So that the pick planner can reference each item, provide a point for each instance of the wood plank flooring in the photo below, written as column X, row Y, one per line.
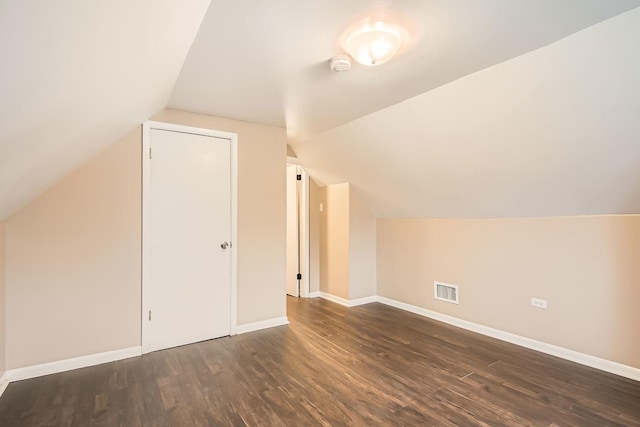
column 371, row 365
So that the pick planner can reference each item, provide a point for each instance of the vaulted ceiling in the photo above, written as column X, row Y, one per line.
column 495, row 108
column 550, row 133
column 78, row 75
column 268, row 63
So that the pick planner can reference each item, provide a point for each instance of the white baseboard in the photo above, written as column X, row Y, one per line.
column 263, row 324
column 111, row 356
column 553, row 350
column 314, row 294
column 4, row 382
column 333, row 298
column 348, row 302
column 362, row 301
column 69, row 364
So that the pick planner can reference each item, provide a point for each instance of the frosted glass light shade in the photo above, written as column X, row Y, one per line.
column 373, row 43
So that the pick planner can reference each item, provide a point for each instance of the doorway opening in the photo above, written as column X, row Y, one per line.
column 297, row 231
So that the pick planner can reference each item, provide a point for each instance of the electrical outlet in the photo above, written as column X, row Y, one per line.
column 539, row 303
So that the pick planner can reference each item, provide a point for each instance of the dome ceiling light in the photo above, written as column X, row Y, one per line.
column 374, row 42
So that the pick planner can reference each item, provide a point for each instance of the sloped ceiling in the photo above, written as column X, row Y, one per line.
column 267, row 62
column 77, row 75
column 552, row 132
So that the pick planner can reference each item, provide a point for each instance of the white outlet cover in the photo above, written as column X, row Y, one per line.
column 539, row 303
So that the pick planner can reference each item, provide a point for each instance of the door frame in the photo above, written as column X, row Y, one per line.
column 146, row 230
column 305, row 283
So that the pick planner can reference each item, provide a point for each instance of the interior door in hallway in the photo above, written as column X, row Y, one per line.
column 293, row 231
column 190, row 237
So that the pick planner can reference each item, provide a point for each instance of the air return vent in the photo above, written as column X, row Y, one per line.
column 445, row 292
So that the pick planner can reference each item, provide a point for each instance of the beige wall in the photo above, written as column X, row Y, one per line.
column 587, row 268
column 261, row 242
column 73, row 263
column 3, row 329
column 73, row 254
column 334, row 278
column 315, row 198
column 362, row 247
column 347, row 242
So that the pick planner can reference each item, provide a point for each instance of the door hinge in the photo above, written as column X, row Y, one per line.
column 149, row 315
column 298, row 177
column 149, row 152
column 299, row 276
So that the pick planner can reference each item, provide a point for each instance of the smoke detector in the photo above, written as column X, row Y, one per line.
column 340, row 63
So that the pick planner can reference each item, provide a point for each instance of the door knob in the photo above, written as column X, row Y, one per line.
column 224, row 245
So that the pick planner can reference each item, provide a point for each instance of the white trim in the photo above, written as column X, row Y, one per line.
column 69, row 364
column 305, row 244
column 304, row 238
column 362, row 301
column 333, row 298
column 146, row 255
column 234, row 233
column 293, row 160
column 315, row 294
column 146, row 181
column 112, row 356
column 4, row 382
column 263, row 324
column 347, row 302
column 553, row 350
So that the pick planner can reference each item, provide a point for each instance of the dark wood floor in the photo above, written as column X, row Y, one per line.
column 367, row 366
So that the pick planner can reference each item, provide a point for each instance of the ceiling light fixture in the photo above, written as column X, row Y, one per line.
column 374, row 42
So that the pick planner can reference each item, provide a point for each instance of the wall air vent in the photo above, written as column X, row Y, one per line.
column 445, row 292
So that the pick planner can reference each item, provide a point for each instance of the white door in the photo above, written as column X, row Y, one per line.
column 293, row 231
column 189, row 273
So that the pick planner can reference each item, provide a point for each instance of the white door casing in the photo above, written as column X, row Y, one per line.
column 304, row 232
column 293, row 232
column 297, row 231
column 189, row 287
